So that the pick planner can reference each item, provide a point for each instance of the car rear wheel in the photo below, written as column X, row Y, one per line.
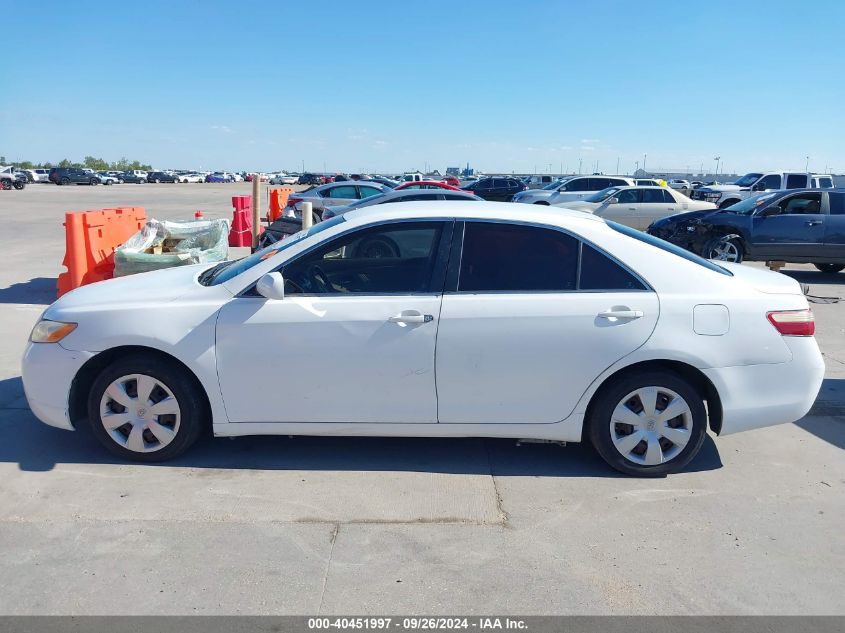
column 64, row 181
column 144, row 409
column 649, row 424
column 830, row 268
column 6, row 185
column 93, row 182
column 724, row 249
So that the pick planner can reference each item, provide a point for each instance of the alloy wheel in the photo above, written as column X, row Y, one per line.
column 725, row 251
column 651, row 426
column 140, row 413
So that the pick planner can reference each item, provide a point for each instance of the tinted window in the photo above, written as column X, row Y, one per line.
column 597, row 184
column 630, row 196
column 499, row 183
column 394, row 258
column 796, row 181
column 599, row 272
column 508, row 257
column 826, row 183
column 618, row 182
column 772, row 181
column 837, row 203
column 455, row 196
column 344, row 191
column 415, row 198
column 667, row 197
column 514, row 183
column 653, row 196
column 366, row 192
column 579, row 184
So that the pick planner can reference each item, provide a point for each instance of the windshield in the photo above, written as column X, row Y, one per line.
column 749, row 205
column 229, row 270
column 598, row 196
column 747, row 180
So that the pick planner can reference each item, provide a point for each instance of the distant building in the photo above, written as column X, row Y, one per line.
column 453, row 171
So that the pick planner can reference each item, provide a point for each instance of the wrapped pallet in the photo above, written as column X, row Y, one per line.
column 164, row 244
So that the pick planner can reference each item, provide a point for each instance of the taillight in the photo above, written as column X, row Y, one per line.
column 793, row 322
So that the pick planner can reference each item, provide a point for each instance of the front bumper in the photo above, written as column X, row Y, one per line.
column 48, row 370
column 755, row 396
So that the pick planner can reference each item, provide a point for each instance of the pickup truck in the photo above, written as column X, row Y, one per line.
column 757, row 182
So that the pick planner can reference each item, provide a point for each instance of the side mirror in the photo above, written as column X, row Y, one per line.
column 613, row 201
column 760, row 186
column 271, row 286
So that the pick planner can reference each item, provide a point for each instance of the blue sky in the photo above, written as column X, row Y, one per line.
column 385, row 87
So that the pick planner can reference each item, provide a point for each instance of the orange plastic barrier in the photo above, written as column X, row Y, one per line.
column 278, row 201
column 91, row 238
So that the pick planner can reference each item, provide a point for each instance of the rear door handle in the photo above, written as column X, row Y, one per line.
column 411, row 316
column 627, row 315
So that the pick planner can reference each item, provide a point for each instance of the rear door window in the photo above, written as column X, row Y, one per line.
column 796, row 181
column 599, row 272
column 344, row 191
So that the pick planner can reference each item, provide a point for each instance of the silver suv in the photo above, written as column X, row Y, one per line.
column 572, row 188
column 757, row 182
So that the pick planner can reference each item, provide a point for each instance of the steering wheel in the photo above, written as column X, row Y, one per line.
column 318, row 276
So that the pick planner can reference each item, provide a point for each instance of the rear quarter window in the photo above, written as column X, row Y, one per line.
column 669, row 248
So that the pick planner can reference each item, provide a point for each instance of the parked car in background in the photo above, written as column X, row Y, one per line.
column 452, row 180
column 284, row 179
column 501, row 189
column 310, row 179
column 571, row 188
column 583, row 330
column 757, row 182
column 107, row 179
column 801, row 225
column 73, row 176
column 333, row 193
column 219, row 176
column 404, row 195
column 677, row 183
column 161, row 176
column 191, row 177
column 412, row 177
column 539, row 181
column 10, row 179
column 649, row 182
column 637, row 207
column 135, row 176
column 387, row 182
column 425, row 184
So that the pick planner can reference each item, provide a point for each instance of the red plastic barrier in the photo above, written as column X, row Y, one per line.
column 91, row 238
column 241, row 232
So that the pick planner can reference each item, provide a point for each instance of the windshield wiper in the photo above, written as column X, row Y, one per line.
column 208, row 276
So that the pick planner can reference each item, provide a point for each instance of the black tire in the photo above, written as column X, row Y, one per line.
column 598, row 428
column 712, row 249
column 19, row 184
column 64, row 181
column 830, row 268
column 93, row 182
column 185, row 390
column 6, row 185
column 120, row 181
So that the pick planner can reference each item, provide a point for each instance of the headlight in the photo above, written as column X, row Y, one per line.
column 50, row 331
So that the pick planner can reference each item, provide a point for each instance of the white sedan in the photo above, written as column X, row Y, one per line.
column 191, row 178
column 637, row 207
column 448, row 319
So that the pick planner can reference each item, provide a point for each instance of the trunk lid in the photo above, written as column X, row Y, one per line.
column 763, row 280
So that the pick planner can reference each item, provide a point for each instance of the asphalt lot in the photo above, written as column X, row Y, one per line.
column 335, row 525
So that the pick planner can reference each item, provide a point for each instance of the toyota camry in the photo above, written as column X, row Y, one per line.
column 448, row 319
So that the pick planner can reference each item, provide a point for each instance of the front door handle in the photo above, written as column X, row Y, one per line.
column 411, row 316
column 812, row 222
column 627, row 315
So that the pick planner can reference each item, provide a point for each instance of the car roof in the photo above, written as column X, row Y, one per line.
column 470, row 210
column 403, row 193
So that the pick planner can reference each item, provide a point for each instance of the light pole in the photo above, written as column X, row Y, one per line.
column 579, row 166
column 636, row 167
column 617, row 165
column 644, row 157
column 717, row 159
column 807, row 165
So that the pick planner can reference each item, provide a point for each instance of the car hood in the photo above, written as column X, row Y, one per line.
column 686, row 216
column 721, row 188
column 534, row 193
column 763, row 280
column 147, row 290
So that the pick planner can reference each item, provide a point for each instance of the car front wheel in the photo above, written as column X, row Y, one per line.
column 144, row 409
column 724, row 249
column 830, row 268
column 649, row 424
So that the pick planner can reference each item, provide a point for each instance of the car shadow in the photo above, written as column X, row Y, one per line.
column 815, row 277
column 36, row 447
column 38, row 291
column 826, row 420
